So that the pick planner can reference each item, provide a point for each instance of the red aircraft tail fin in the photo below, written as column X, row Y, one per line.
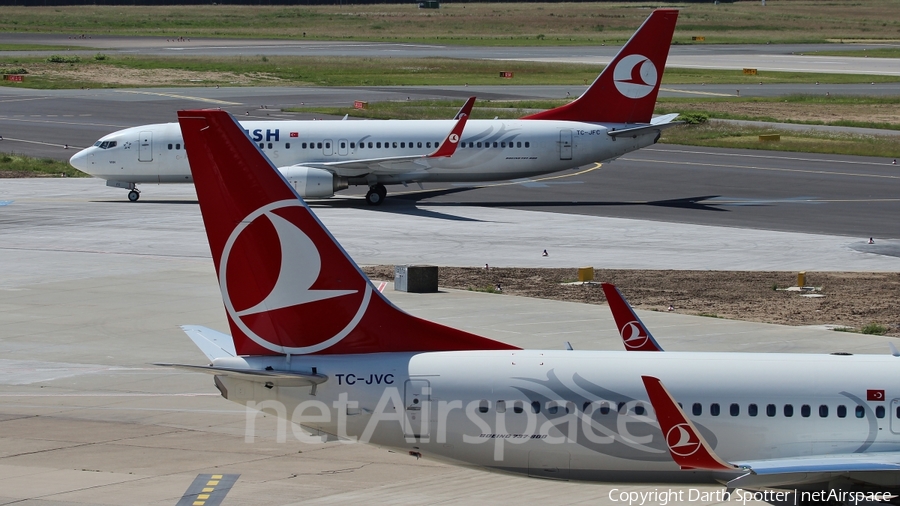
column 625, row 92
column 287, row 285
column 635, row 335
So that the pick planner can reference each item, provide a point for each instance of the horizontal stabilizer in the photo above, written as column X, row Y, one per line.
column 277, row 378
column 212, row 343
column 642, row 129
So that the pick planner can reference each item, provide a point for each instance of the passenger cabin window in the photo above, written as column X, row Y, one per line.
column 697, row 409
column 788, row 410
column 861, row 411
column 484, row 406
column 770, row 410
column 535, row 407
column 518, row 407
column 501, row 406
column 303, row 146
column 734, row 409
column 752, row 410
column 823, row 411
column 287, row 145
column 527, row 144
column 842, row 411
column 714, row 409
column 879, row 412
column 805, row 411
column 604, row 408
column 639, row 409
column 170, row 145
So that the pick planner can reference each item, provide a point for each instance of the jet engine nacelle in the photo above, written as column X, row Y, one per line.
column 311, row 182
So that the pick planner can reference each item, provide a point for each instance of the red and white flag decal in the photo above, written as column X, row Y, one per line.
column 874, row 395
column 295, row 134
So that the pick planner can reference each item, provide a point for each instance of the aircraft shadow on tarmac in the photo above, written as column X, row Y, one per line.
column 690, row 203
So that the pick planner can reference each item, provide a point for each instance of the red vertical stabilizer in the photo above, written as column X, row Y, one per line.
column 625, row 92
column 287, row 285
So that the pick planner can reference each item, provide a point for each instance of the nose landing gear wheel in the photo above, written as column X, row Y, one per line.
column 376, row 195
column 134, row 195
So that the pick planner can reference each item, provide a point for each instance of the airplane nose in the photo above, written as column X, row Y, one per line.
column 80, row 160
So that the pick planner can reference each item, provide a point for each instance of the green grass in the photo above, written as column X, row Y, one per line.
column 472, row 23
column 39, row 47
column 875, row 329
column 872, row 328
column 485, row 289
column 23, row 166
column 354, row 71
column 727, row 136
column 790, row 107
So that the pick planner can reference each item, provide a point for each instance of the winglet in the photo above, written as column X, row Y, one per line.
column 688, row 448
column 448, row 147
column 635, row 335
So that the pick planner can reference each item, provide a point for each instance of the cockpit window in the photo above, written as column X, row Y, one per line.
column 105, row 144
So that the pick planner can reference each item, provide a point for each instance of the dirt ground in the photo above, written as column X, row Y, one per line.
column 849, row 299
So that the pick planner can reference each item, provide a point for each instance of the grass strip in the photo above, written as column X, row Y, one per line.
column 14, row 165
column 101, row 70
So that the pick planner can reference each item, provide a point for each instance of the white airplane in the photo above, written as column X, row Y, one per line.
column 613, row 117
column 314, row 341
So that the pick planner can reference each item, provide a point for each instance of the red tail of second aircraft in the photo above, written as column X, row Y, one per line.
column 626, row 90
column 287, row 285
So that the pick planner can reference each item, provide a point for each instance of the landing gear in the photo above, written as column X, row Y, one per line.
column 376, row 194
column 134, row 195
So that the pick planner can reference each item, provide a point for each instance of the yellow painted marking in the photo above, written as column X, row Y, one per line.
column 705, row 93
column 183, row 97
column 212, row 483
column 208, row 489
column 199, row 503
column 216, row 477
column 203, row 496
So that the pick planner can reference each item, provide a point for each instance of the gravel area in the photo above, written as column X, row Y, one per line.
column 844, row 299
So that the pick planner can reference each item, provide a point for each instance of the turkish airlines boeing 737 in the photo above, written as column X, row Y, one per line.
column 611, row 118
column 314, row 341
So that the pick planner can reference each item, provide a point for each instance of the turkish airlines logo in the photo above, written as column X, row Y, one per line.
column 453, row 138
column 633, row 335
column 635, row 76
column 269, row 275
column 681, row 440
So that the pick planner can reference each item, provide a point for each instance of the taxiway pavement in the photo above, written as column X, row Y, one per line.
column 92, row 291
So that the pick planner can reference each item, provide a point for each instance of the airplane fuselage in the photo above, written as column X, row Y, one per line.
column 489, row 150
column 584, row 415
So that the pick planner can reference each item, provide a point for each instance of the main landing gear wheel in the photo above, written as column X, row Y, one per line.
column 134, row 195
column 376, row 195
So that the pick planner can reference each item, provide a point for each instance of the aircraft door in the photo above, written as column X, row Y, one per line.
column 895, row 416
column 565, row 144
column 342, row 147
column 145, row 152
column 417, row 405
column 327, row 148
